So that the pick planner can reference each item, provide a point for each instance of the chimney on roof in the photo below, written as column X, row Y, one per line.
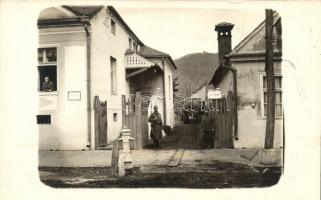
column 224, row 39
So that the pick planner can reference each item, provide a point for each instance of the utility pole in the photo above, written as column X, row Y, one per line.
column 269, row 69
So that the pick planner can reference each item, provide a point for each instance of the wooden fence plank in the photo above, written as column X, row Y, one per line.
column 219, row 130
column 224, row 129
column 227, row 127
column 139, row 132
column 231, row 130
column 216, row 142
column 144, row 130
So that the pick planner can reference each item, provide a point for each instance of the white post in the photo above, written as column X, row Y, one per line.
column 125, row 160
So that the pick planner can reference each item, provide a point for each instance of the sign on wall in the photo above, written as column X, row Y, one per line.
column 74, row 95
column 214, row 94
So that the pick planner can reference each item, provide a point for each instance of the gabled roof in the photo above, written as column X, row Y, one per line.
column 80, row 11
column 259, row 34
column 219, row 74
column 252, row 44
column 200, row 87
column 51, row 13
column 120, row 19
column 149, row 52
column 89, row 12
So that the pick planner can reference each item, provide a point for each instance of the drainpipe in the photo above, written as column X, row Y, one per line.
column 164, row 94
column 235, row 101
column 86, row 24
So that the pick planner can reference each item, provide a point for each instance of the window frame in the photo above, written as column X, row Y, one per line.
column 130, row 43
column 113, row 27
column 113, row 75
column 135, row 46
column 44, row 122
column 169, row 87
column 48, row 64
column 262, row 91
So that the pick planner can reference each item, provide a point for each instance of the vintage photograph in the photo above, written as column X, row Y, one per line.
column 159, row 97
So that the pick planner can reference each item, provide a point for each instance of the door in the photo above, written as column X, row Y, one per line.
column 100, row 108
column 222, row 116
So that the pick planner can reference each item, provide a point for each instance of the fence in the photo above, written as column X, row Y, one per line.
column 135, row 117
column 221, row 113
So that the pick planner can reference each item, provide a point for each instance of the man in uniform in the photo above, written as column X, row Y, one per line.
column 156, row 125
column 207, row 131
column 48, row 85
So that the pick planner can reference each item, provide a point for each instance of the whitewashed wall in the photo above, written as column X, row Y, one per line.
column 105, row 44
column 251, row 125
column 168, row 72
column 170, row 119
column 68, row 128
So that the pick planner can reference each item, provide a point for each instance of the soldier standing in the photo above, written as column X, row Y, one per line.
column 207, row 131
column 156, row 124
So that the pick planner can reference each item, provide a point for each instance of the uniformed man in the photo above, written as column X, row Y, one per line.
column 48, row 85
column 207, row 131
column 156, row 125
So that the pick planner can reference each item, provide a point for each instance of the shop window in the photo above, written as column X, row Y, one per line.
column 47, row 69
column 43, row 119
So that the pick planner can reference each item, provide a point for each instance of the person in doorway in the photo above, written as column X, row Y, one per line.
column 47, row 85
column 207, row 131
column 156, row 125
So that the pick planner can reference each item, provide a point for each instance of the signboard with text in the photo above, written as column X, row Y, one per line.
column 214, row 94
column 74, row 95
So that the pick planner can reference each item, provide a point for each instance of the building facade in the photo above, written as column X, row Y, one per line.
column 89, row 52
column 242, row 72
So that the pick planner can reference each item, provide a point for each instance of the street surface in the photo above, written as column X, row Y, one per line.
column 179, row 164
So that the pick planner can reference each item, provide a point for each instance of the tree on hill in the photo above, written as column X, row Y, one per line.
column 175, row 86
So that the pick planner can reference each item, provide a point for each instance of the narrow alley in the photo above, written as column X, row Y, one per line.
column 184, row 136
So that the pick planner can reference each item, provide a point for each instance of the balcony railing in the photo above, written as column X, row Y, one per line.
column 134, row 60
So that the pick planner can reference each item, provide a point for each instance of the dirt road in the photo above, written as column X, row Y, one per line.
column 215, row 175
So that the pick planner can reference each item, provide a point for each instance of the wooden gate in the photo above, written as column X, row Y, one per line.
column 100, row 108
column 221, row 114
column 136, row 119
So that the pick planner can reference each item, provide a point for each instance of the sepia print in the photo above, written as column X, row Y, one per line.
column 116, row 112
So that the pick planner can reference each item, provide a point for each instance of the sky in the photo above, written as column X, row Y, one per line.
column 181, row 31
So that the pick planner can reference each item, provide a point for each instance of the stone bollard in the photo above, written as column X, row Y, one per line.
column 125, row 160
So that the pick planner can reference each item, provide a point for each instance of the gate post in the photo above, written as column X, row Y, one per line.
column 123, row 111
column 138, row 116
column 125, row 159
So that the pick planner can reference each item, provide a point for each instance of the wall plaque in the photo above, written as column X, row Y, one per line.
column 74, row 95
